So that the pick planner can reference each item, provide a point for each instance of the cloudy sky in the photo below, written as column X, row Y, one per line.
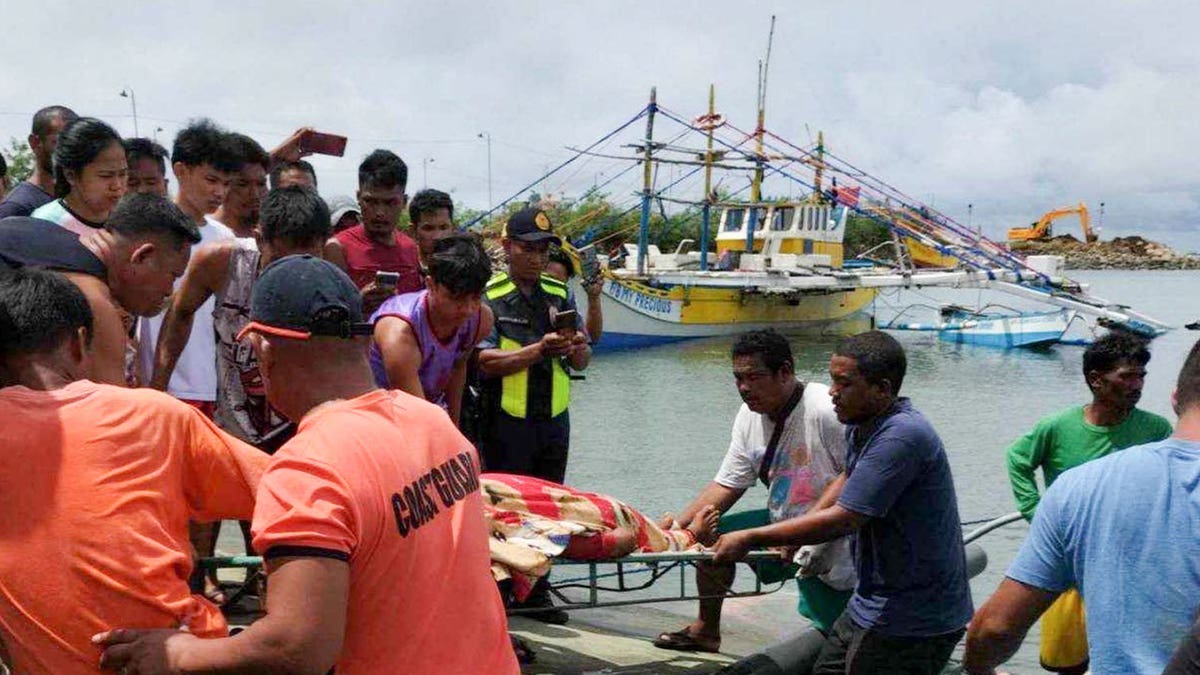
column 1014, row 107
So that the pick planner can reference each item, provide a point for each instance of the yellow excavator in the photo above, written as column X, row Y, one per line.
column 1040, row 231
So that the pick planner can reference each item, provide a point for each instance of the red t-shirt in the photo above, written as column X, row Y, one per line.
column 386, row 482
column 365, row 257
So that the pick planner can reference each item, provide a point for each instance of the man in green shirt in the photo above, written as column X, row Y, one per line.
column 1114, row 367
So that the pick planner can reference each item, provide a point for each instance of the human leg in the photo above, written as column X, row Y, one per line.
column 851, row 649
column 712, row 582
column 510, row 445
column 553, row 442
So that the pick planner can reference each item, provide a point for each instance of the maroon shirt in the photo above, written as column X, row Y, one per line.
column 365, row 257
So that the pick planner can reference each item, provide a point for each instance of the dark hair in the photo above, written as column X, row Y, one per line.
column 770, row 347
column 38, row 311
column 141, row 215
column 144, row 148
column 299, row 165
column 247, row 150
column 878, row 357
column 3, row 167
column 296, row 214
column 203, row 142
column 1187, row 387
column 383, row 169
column 79, row 144
column 43, row 120
column 1112, row 349
column 460, row 263
column 429, row 201
column 559, row 255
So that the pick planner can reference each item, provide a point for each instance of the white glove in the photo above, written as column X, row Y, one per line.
column 814, row 560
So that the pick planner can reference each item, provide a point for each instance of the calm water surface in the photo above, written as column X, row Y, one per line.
column 651, row 426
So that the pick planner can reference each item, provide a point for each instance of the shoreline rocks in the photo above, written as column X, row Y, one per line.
column 1122, row 253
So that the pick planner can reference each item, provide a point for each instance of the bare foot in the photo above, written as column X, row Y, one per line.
column 704, row 525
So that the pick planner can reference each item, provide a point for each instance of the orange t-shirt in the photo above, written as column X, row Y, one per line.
column 386, row 482
column 97, row 484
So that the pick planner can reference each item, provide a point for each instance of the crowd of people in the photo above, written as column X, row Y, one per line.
column 245, row 350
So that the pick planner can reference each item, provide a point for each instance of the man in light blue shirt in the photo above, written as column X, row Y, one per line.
column 1124, row 529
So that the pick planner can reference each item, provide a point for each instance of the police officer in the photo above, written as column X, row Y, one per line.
column 524, row 361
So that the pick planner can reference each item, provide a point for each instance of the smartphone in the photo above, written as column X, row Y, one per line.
column 589, row 264
column 565, row 320
column 322, row 144
column 387, row 279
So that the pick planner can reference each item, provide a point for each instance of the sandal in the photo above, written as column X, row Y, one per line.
column 684, row 641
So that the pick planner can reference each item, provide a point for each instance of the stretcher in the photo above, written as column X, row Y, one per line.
column 602, row 581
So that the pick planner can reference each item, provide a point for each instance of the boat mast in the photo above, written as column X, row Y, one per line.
column 644, row 228
column 763, row 68
column 756, row 181
column 706, row 211
column 819, row 169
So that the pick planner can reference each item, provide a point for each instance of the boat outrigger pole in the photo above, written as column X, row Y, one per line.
column 647, row 187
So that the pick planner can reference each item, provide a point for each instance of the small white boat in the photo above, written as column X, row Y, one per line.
column 996, row 329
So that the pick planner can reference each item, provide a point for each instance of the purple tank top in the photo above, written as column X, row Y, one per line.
column 437, row 357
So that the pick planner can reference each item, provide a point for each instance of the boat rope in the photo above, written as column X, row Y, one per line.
column 642, row 113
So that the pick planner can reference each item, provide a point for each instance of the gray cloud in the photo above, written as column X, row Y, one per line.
column 1013, row 107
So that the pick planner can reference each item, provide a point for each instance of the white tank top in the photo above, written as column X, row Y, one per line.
column 195, row 375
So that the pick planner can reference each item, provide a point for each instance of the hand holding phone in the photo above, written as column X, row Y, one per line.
column 564, row 321
column 316, row 142
column 387, row 280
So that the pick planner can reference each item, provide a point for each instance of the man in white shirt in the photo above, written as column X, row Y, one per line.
column 787, row 436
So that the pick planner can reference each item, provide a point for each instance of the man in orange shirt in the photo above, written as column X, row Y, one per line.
column 98, row 485
column 370, row 518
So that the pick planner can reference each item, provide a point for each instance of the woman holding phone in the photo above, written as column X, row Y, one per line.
column 89, row 176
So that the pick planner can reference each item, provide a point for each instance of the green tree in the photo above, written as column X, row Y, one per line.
column 20, row 160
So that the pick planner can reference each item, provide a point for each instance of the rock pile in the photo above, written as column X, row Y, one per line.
column 1122, row 253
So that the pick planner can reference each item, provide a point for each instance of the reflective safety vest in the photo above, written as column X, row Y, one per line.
column 543, row 390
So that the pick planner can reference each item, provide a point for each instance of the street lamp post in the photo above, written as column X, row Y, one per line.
column 488, row 137
column 425, row 170
column 127, row 92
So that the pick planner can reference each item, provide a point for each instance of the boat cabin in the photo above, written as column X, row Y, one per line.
column 799, row 228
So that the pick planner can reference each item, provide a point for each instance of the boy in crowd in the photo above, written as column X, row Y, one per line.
column 147, row 167
column 431, row 217
column 204, row 163
column 376, row 245
column 423, row 339
column 240, row 210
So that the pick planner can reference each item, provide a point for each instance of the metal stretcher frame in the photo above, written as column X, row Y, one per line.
column 657, row 565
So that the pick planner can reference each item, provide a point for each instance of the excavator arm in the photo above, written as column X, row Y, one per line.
column 1041, row 229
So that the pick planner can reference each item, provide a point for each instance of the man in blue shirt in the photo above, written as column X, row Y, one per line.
column 1123, row 529
column 897, row 497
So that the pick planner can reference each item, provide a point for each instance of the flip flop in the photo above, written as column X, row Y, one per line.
column 684, row 641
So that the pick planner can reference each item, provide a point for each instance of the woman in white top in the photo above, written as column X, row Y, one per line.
column 89, row 176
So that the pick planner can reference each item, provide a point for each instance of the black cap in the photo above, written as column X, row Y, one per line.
column 301, row 296
column 530, row 225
